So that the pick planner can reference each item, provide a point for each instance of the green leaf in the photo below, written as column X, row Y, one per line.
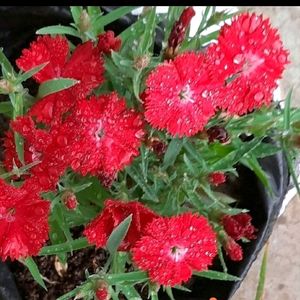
column 182, row 288
column 252, row 163
column 6, row 109
column 287, row 111
column 113, row 16
column 33, row 268
column 169, row 292
column 55, row 85
column 215, row 275
column 113, row 279
column 233, row 157
column 130, row 292
column 262, row 275
column 118, row 235
column 291, row 166
column 76, row 13
column 147, row 38
column 137, row 176
column 6, row 63
column 172, row 152
column 59, row 29
column 65, row 247
column 57, row 236
column 30, row 73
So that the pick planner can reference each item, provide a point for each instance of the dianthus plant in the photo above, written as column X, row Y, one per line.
column 131, row 139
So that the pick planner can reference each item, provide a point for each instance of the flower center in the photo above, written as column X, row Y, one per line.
column 99, row 133
column 249, row 62
column 178, row 253
column 186, row 94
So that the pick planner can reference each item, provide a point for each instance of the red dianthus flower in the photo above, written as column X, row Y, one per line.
column 23, row 222
column 85, row 65
column 178, row 95
column 249, row 57
column 114, row 212
column 102, row 136
column 172, row 248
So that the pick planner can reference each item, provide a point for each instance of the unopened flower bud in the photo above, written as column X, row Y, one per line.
column 84, row 23
column 233, row 249
column 69, row 199
column 157, row 146
column 141, row 62
column 178, row 32
column 102, row 291
column 217, row 133
column 217, row 178
column 6, row 87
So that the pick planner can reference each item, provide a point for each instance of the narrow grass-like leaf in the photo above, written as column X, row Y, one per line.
column 33, row 269
column 215, row 275
column 291, row 167
column 30, row 73
column 55, row 85
column 59, row 29
column 170, row 293
column 172, row 152
column 130, row 292
column 6, row 63
column 262, row 275
column 132, row 276
column 76, row 13
column 287, row 111
column 118, row 235
column 252, row 163
column 65, row 247
column 113, row 16
column 138, row 177
column 148, row 35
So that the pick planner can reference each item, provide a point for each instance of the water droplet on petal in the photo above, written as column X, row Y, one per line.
column 258, row 96
column 238, row 59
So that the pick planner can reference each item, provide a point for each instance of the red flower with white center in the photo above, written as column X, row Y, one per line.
column 172, row 248
column 107, row 42
column 178, row 95
column 239, row 226
column 23, row 222
column 85, row 65
column 217, row 178
column 114, row 212
column 249, row 58
column 102, row 135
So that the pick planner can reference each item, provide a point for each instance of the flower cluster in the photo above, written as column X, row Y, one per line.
column 164, row 135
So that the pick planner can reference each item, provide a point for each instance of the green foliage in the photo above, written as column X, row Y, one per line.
column 33, row 269
column 171, row 182
column 55, row 85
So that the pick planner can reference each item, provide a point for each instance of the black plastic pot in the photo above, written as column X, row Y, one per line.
column 18, row 26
